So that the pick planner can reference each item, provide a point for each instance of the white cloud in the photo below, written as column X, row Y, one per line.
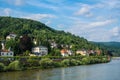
column 93, row 31
column 16, row 2
column 100, row 23
column 84, row 10
column 111, row 4
column 39, row 16
column 115, row 31
column 42, row 5
column 7, row 11
column 19, row 2
column 46, row 18
column 94, row 24
column 55, row 1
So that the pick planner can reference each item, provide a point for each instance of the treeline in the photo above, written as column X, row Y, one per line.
column 42, row 34
column 24, row 63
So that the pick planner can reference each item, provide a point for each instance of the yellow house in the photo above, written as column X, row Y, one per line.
column 81, row 52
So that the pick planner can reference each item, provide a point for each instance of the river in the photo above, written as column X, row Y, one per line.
column 106, row 71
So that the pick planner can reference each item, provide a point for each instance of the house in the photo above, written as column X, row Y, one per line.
column 6, row 53
column 53, row 45
column 65, row 52
column 91, row 52
column 98, row 52
column 81, row 52
column 11, row 36
column 40, row 50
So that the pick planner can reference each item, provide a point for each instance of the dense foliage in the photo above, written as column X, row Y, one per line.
column 14, row 66
column 42, row 34
column 24, row 63
column 2, row 67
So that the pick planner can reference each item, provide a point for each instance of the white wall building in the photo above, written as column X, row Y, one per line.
column 81, row 52
column 7, row 53
column 40, row 50
column 11, row 36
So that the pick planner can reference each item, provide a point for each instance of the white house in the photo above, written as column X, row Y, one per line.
column 53, row 45
column 7, row 53
column 40, row 50
column 11, row 36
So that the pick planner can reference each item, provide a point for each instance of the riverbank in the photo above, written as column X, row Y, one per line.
column 105, row 71
column 25, row 63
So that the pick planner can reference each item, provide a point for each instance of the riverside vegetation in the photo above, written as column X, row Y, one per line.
column 26, row 62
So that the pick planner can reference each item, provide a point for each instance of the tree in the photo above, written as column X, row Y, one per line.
column 25, row 43
column 26, row 53
column 13, row 45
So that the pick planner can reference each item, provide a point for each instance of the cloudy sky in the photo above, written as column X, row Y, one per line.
column 95, row 20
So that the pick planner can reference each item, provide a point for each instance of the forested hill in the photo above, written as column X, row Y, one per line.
column 41, row 33
column 21, row 26
column 111, row 46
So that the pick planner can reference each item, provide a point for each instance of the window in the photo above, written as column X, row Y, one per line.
column 10, row 53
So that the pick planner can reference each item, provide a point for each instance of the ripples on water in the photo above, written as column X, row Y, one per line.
column 106, row 71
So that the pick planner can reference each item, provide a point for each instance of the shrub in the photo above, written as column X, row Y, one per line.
column 85, row 60
column 6, row 62
column 46, row 63
column 74, row 62
column 32, row 63
column 104, row 60
column 2, row 67
column 15, row 65
column 65, row 62
column 57, row 64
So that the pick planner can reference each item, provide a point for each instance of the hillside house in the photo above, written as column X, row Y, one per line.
column 98, row 52
column 40, row 50
column 91, row 52
column 53, row 45
column 81, row 52
column 65, row 52
column 6, row 53
column 11, row 36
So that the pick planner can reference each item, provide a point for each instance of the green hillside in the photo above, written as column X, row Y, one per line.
column 111, row 46
column 43, row 34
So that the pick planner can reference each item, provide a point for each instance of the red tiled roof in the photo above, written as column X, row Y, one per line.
column 64, row 51
column 5, row 51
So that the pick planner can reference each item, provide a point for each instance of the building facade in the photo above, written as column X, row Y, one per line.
column 40, row 50
column 7, row 53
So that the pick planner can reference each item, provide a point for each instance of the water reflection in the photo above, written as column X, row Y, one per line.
column 109, row 71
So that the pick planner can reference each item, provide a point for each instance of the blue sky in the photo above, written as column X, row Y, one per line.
column 95, row 20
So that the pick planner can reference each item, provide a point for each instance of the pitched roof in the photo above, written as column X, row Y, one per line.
column 5, row 51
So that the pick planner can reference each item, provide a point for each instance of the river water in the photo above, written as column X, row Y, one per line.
column 106, row 71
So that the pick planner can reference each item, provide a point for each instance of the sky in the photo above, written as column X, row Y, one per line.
column 95, row 20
